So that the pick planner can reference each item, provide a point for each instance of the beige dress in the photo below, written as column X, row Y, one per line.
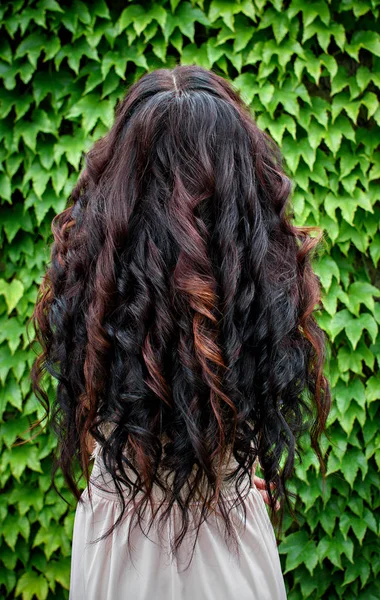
column 105, row 571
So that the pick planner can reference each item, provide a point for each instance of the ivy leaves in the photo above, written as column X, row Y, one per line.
column 310, row 74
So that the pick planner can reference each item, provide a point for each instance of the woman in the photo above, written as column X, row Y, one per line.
column 177, row 316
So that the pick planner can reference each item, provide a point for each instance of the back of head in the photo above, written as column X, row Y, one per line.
column 179, row 301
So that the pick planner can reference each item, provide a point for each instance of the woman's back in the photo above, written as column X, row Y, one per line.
column 179, row 307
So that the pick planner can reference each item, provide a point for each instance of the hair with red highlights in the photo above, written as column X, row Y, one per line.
column 179, row 303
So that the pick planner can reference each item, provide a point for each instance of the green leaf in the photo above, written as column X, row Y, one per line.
column 12, row 292
column 370, row 519
column 354, row 235
column 277, row 128
column 23, row 105
column 316, row 134
column 351, row 462
column 59, row 177
column 5, row 51
column 322, row 32
column 51, row 5
column 287, row 95
column 226, row 9
column 363, row 77
column 46, row 156
column 317, row 9
column 333, row 548
column 10, row 430
column 10, row 392
column 348, row 204
column 21, row 457
column 347, row 163
column 12, row 527
column 159, row 46
column 349, row 360
column 5, row 187
column 335, row 132
column 8, row 100
column 26, row 496
column 370, row 40
column 299, row 549
column 295, row 150
column 244, row 33
column 347, row 418
column 355, row 327
column 41, row 206
column 140, row 17
column 373, row 388
column 51, row 48
column 111, row 83
column 345, row 393
column 94, row 79
column 342, row 102
column 59, row 570
column 360, row 568
column 32, row 47
column 8, row 579
column 361, row 292
column 327, row 520
column 326, row 268
column 47, row 83
column 119, row 61
column 72, row 146
column 100, row 9
column 340, row 321
column 90, row 110
column 374, row 250
column 39, row 177
column 41, row 123
column 330, row 299
column 31, row 584
column 333, row 463
column 371, row 103
column 52, row 539
column 11, row 329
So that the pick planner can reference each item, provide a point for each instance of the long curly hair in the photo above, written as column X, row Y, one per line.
column 179, row 305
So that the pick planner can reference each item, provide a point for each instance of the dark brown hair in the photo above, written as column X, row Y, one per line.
column 180, row 302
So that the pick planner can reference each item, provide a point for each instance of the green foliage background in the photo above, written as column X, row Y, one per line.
column 311, row 73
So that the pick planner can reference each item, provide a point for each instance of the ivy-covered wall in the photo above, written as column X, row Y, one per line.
column 311, row 73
